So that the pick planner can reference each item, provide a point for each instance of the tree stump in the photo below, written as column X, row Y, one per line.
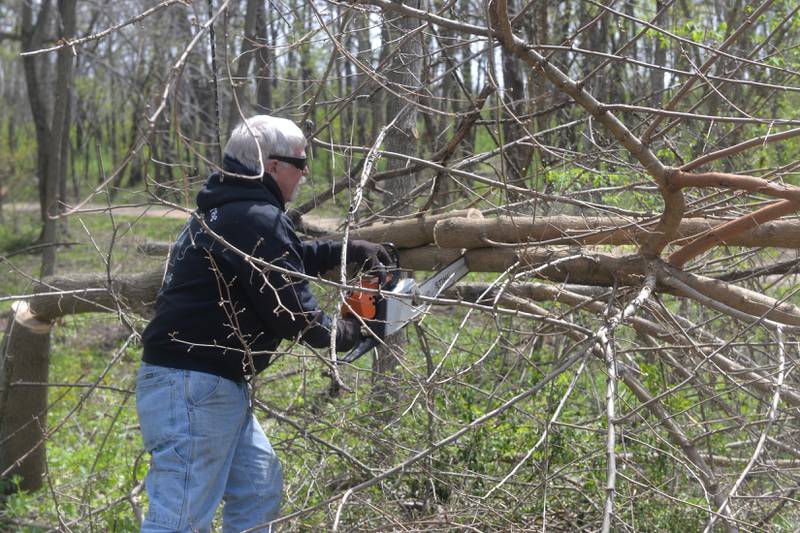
column 24, row 357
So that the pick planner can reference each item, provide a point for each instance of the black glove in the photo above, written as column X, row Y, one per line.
column 348, row 334
column 369, row 256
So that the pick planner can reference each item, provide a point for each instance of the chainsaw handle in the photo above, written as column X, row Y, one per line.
column 363, row 347
column 391, row 249
column 384, row 271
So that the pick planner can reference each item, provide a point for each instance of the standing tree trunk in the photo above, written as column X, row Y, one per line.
column 197, row 115
column 140, row 81
column 23, row 413
column 59, row 135
column 365, row 120
column 51, row 116
column 516, row 159
column 404, row 74
column 32, row 38
column 241, row 80
column 660, row 59
column 264, row 61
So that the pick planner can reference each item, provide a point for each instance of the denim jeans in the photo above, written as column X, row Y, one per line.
column 206, row 447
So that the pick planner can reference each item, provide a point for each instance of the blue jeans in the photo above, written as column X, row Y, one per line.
column 206, row 447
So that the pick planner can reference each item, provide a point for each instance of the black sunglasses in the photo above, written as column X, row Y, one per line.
column 298, row 162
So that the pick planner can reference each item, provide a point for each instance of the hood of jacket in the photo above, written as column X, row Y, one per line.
column 224, row 187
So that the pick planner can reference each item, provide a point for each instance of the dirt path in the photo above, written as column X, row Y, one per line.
column 125, row 210
column 159, row 211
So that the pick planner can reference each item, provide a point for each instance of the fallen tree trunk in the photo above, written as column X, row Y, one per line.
column 86, row 293
column 557, row 264
column 486, row 232
column 408, row 232
column 753, row 303
column 404, row 233
column 564, row 265
column 581, row 268
column 468, row 229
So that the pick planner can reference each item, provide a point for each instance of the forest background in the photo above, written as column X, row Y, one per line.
column 622, row 177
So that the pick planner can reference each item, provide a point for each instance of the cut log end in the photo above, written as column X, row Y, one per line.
column 23, row 316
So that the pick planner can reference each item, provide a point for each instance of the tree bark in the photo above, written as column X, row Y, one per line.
column 57, row 150
column 516, row 159
column 410, row 232
column 25, row 356
column 50, row 114
column 265, row 58
column 245, row 58
column 573, row 230
column 404, row 75
column 24, row 425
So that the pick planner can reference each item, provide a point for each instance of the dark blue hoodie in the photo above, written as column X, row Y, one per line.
column 217, row 313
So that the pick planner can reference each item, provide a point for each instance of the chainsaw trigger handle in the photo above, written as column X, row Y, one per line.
column 363, row 347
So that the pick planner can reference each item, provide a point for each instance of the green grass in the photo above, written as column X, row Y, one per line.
column 92, row 458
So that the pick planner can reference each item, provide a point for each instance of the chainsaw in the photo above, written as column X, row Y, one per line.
column 392, row 303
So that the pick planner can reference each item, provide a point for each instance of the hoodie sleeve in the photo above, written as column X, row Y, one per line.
column 283, row 302
column 320, row 256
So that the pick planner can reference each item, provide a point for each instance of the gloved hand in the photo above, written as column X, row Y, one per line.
column 370, row 256
column 348, row 334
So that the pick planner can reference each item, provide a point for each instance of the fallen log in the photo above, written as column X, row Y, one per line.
column 63, row 295
column 408, row 232
column 85, row 293
column 750, row 302
column 567, row 266
column 556, row 264
column 404, row 233
column 464, row 232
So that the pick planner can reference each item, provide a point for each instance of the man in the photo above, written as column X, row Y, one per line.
column 219, row 316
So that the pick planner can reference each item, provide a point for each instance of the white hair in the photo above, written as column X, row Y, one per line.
column 258, row 137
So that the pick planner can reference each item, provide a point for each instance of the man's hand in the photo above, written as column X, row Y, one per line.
column 348, row 334
column 370, row 256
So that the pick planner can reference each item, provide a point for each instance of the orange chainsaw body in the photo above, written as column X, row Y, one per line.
column 363, row 304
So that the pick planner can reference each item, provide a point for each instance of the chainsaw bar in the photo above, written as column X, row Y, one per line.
column 395, row 313
column 444, row 279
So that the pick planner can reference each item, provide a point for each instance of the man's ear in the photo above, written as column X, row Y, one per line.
column 270, row 166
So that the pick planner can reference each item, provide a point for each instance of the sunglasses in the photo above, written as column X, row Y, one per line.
column 297, row 162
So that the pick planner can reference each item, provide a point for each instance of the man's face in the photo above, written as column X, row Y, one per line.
column 287, row 176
